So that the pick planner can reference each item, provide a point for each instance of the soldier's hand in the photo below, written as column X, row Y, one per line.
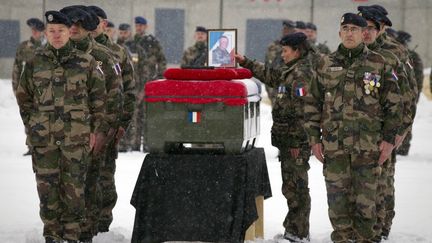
column 295, row 152
column 99, row 142
column 317, row 150
column 120, row 133
column 386, row 150
column 399, row 140
column 239, row 58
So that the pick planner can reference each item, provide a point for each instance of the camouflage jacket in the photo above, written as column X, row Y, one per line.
column 24, row 52
column 127, row 72
column 113, row 81
column 401, row 75
column 195, row 56
column 292, row 82
column 151, row 59
column 273, row 58
column 354, row 103
column 418, row 70
column 61, row 96
column 323, row 48
column 220, row 56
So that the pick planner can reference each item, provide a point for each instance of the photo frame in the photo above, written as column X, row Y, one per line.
column 222, row 45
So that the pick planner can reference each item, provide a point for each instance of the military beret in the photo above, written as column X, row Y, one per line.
column 289, row 24
column 300, row 25
column 380, row 8
column 124, row 27
column 200, row 29
column 351, row 18
column 391, row 32
column 366, row 14
column 140, row 20
column 98, row 11
column 293, row 39
column 362, row 8
column 110, row 24
column 36, row 24
column 311, row 26
column 55, row 17
column 403, row 37
column 76, row 15
column 380, row 15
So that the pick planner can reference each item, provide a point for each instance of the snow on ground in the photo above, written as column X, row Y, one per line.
column 20, row 222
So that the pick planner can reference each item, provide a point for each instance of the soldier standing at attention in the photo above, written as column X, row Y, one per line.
column 83, row 22
column 124, row 34
column 288, row 135
column 273, row 56
column 352, row 115
column 61, row 96
column 25, row 52
column 110, row 30
column 196, row 55
column 107, row 169
column 312, row 34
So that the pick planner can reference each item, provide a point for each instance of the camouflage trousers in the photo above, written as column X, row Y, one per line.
column 295, row 189
column 134, row 135
column 386, row 198
column 272, row 93
column 351, row 181
column 60, row 175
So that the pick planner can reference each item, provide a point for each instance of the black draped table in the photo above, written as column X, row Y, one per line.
column 198, row 197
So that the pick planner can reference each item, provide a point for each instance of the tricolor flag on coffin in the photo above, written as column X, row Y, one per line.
column 194, row 116
column 222, row 48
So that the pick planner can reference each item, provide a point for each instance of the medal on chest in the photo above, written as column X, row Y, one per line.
column 371, row 83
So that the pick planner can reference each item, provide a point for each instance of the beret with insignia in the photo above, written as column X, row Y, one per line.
column 140, row 20
column 354, row 19
column 55, row 17
column 36, row 24
column 293, row 40
column 77, row 14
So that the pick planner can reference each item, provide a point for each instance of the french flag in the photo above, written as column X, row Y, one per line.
column 194, row 116
column 300, row 91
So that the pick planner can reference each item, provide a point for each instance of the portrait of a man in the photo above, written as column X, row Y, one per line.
column 222, row 46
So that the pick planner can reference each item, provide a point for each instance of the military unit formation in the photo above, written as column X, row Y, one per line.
column 83, row 98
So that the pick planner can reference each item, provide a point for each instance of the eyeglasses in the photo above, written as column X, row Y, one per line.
column 353, row 30
column 371, row 28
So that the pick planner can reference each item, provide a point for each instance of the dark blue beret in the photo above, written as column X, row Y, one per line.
column 36, row 24
column 366, row 14
column 77, row 14
column 293, row 39
column 380, row 16
column 289, row 24
column 354, row 19
column 403, row 37
column 300, row 25
column 391, row 32
column 110, row 24
column 311, row 26
column 200, row 29
column 98, row 11
column 124, row 27
column 55, row 17
column 140, row 20
column 380, row 8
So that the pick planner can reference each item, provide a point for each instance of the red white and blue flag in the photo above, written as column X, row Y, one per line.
column 301, row 91
column 194, row 116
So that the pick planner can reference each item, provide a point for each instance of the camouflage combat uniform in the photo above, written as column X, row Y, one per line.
column 149, row 63
column 61, row 96
column 113, row 85
column 24, row 52
column 292, row 82
column 107, row 170
column 195, row 56
column 355, row 114
column 274, row 60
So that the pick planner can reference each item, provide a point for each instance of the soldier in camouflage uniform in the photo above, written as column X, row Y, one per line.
column 288, row 135
column 61, row 96
column 110, row 30
column 196, row 55
column 107, row 169
column 352, row 114
column 124, row 34
column 150, row 65
column 273, row 56
column 403, row 38
column 25, row 52
column 85, row 21
column 311, row 32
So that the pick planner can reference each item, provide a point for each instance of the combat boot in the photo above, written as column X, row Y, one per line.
column 295, row 239
column 52, row 240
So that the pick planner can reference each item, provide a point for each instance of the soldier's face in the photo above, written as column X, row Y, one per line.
column 370, row 34
column 289, row 54
column 200, row 36
column 124, row 34
column 351, row 35
column 286, row 30
column 140, row 28
column 77, row 32
column 100, row 28
column 57, row 35
column 36, row 34
column 110, row 32
column 223, row 42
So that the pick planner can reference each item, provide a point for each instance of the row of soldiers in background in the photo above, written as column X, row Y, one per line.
column 76, row 96
column 353, row 108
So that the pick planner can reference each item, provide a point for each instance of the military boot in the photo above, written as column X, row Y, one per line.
column 52, row 240
column 295, row 239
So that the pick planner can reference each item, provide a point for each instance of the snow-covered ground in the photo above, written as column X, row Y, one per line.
column 20, row 222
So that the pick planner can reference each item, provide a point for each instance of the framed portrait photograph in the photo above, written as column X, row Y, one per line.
column 222, row 45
